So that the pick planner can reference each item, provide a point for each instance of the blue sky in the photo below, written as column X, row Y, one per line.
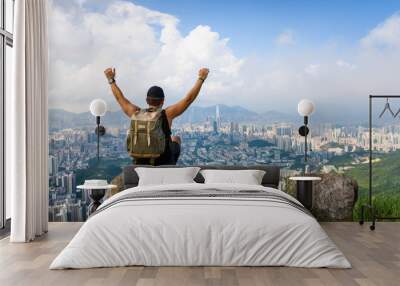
column 333, row 52
column 252, row 26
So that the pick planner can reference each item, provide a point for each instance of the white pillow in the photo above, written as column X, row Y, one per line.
column 248, row 177
column 166, row 176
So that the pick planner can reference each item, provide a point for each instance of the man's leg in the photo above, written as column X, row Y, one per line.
column 175, row 148
column 172, row 155
column 141, row 161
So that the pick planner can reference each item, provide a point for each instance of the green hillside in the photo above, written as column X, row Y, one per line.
column 107, row 168
column 386, row 174
column 385, row 185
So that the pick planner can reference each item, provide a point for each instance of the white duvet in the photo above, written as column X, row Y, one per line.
column 200, row 231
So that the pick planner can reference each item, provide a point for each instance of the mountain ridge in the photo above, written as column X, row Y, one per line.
column 62, row 119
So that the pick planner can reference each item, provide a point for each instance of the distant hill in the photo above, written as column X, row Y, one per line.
column 61, row 119
column 276, row 116
column 238, row 114
column 197, row 114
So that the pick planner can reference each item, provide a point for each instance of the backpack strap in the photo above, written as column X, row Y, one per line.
column 165, row 125
column 136, row 133
column 148, row 133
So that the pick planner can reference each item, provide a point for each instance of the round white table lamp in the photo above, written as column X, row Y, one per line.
column 98, row 108
column 305, row 107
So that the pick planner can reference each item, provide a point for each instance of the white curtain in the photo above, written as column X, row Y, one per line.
column 27, row 123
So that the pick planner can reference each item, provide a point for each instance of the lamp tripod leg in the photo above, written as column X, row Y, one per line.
column 98, row 137
column 98, row 144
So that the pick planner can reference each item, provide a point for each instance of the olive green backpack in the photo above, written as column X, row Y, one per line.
column 146, row 137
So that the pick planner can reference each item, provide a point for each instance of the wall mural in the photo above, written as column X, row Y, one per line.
column 246, row 113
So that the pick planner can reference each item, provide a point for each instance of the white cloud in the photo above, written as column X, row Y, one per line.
column 312, row 69
column 285, row 38
column 385, row 35
column 146, row 47
column 345, row 65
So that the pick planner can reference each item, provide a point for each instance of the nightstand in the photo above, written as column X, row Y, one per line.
column 304, row 189
column 96, row 190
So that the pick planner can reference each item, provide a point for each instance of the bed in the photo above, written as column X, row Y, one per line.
column 198, row 224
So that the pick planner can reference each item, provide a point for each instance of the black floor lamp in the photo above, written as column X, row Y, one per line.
column 305, row 108
column 96, row 192
column 98, row 108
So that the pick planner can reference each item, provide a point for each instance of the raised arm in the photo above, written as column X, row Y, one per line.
column 127, row 107
column 178, row 108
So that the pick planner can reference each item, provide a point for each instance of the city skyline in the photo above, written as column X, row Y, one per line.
column 215, row 141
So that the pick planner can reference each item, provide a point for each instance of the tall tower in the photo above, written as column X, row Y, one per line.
column 217, row 116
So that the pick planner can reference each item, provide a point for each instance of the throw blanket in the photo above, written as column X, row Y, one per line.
column 206, row 193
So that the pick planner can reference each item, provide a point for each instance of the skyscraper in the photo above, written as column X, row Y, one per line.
column 52, row 165
column 69, row 182
column 215, row 126
column 217, row 116
column 232, row 128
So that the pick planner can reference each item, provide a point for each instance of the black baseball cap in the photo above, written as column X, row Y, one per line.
column 155, row 92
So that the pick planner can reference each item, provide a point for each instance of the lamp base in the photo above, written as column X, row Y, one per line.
column 96, row 195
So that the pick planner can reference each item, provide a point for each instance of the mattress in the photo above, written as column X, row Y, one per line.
column 201, row 225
